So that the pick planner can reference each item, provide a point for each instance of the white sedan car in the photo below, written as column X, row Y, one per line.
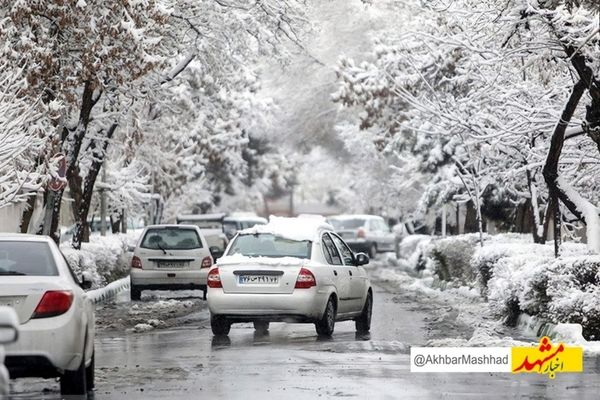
column 290, row 270
column 170, row 257
column 9, row 333
column 56, row 316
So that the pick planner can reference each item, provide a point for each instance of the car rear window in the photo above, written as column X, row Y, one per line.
column 268, row 245
column 26, row 258
column 171, row 239
column 353, row 223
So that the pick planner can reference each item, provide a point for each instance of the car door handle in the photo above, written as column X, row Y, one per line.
column 335, row 272
column 350, row 272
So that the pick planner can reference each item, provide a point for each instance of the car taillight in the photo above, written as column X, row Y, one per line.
column 361, row 233
column 207, row 262
column 305, row 279
column 136, row 262
column 214, row 279
column 53, row 303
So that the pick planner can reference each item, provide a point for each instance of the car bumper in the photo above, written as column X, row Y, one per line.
column 301, row 305
column 169, row 280
column 46, row 347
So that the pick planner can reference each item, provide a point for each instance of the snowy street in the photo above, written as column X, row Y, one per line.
column 180, row 357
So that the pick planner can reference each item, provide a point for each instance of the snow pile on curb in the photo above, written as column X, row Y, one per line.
column 105, row 258
column 109, row 291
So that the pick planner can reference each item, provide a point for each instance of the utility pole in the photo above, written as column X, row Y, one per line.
column 444, row 220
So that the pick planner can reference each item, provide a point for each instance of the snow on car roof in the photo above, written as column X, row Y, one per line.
column 292, row 228
column 24, row 237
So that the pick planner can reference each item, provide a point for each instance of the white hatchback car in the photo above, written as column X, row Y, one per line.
column 55, row 314
column 9, row 333
column 290, row 270
column 170, row 257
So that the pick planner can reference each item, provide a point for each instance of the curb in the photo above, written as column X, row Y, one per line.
column 109, row 291
column 572, row 333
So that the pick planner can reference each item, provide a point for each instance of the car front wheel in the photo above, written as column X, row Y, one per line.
column 326, row 324
column 372, row 251
column 220, row 326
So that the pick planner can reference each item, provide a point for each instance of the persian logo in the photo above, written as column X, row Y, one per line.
column 547, row 358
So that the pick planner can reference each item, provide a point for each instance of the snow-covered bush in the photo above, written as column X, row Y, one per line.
column 412, row 249
column 450, row 258
column 105, row 258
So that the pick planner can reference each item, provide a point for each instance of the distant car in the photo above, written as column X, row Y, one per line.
column 211, row 226
column 56, row 316
column 234, row 223
column 9, row 333
column 365, row 233
column 170, row 257
column 290, row 270
column 134, row 225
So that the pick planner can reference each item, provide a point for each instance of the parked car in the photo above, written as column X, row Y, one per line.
column 290, row 270
column 170, row 257
column 56, row 316
column 211, row 226
column 365, row 233
column 236, row 222
column 9, row 333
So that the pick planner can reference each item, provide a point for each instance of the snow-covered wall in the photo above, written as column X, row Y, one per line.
column 10, row 217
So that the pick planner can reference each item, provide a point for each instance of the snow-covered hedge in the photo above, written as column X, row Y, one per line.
column 105, row 258
column 517, row 276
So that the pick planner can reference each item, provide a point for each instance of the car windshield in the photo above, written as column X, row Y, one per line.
column 268, row 245
column 351, row 223
column 26, row 258
column 171, row 239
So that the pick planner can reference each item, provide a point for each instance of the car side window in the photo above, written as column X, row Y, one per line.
column 384, row 227
column 347, row 255
column 331, row 253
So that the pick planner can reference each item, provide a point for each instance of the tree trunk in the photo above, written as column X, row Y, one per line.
column 99, row 153
column 550, row 170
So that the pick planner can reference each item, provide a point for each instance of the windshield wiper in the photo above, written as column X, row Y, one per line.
column 12, row 273
column 162, row 248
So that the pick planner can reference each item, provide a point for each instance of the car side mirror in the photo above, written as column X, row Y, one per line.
column 86, row 280
column 215, row 252
column 9, row 325
column 361, row 259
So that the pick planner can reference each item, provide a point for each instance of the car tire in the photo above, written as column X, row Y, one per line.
column 363, row 322
column 74, row 382
column 326, row 324
column 220, row 326
column 90, row 374
column 136, row 294
column 261, row 327
column 372, row 251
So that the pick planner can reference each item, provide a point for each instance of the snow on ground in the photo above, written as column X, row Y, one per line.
column 462, row 315
column 156, row 310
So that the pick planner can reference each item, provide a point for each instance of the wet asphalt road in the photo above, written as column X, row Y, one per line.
column 291, row 362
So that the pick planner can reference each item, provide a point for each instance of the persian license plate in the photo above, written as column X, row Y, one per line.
column 173, row 264
column 258, row 279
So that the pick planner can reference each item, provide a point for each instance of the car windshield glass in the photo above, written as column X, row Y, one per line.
column 171, row 239
column 26, row 258
column 229, row 227
column 353, row 223
column 268, row 245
